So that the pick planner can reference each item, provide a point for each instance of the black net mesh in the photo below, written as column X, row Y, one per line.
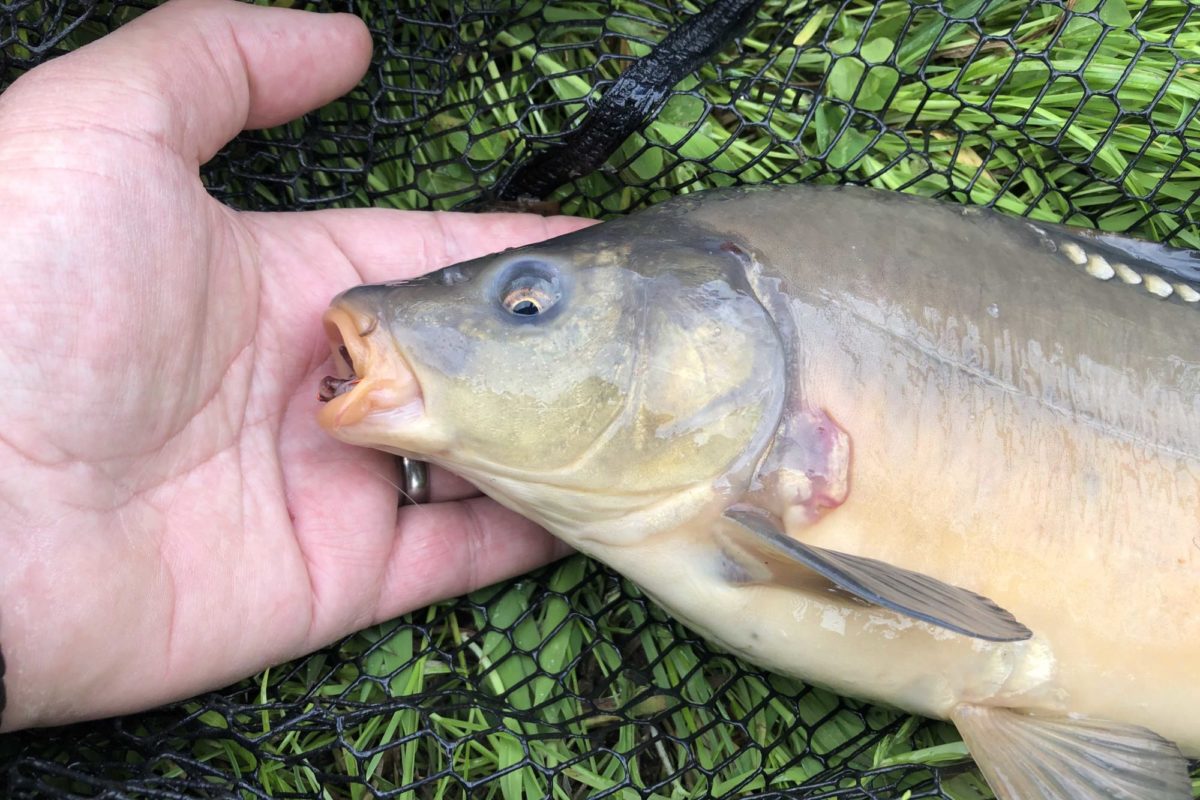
column 567, row 683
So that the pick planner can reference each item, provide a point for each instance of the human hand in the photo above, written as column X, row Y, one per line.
column 172, row 518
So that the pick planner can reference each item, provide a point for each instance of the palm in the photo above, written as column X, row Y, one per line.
column 194, row 524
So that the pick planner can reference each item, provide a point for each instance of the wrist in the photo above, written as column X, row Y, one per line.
column 57, row 599
column 64, row 650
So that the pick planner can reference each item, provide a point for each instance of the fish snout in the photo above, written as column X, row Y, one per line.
column 372, row 379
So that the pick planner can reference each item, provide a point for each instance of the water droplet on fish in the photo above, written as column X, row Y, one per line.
column 994, row 311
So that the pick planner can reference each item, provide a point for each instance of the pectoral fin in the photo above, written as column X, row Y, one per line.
column 901, row 590
column 1026, row 756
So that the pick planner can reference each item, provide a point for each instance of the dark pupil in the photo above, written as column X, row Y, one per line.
column 526, row 308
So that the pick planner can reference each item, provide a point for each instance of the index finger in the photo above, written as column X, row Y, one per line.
column 193, row 73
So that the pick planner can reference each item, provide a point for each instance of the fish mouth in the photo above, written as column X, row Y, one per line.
column 374, row 383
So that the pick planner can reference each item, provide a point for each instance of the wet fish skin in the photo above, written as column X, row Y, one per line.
column 960, row 394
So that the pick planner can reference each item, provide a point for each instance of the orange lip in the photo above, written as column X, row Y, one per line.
column 378, row 379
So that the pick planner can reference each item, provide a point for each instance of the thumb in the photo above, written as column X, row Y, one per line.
column 191, row 74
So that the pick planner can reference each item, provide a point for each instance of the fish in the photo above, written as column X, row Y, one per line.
column 927, row 455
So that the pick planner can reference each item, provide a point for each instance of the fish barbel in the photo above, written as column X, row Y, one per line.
column 925, row 455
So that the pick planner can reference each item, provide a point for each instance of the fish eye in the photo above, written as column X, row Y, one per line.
column 529, row 288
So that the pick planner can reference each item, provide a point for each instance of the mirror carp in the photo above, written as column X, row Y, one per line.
column 926, row 455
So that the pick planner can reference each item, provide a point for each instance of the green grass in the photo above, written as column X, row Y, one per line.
column 568, row 670
column 976, row 113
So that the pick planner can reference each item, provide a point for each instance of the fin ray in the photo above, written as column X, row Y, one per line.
column 1028, row 755
column 907, row 592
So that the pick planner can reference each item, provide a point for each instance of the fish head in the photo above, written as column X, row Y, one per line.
column 602, row 384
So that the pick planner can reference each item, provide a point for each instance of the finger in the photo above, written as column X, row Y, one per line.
column 193, row 73
column 444, row 486
column 383, row 244
column 448, row 549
